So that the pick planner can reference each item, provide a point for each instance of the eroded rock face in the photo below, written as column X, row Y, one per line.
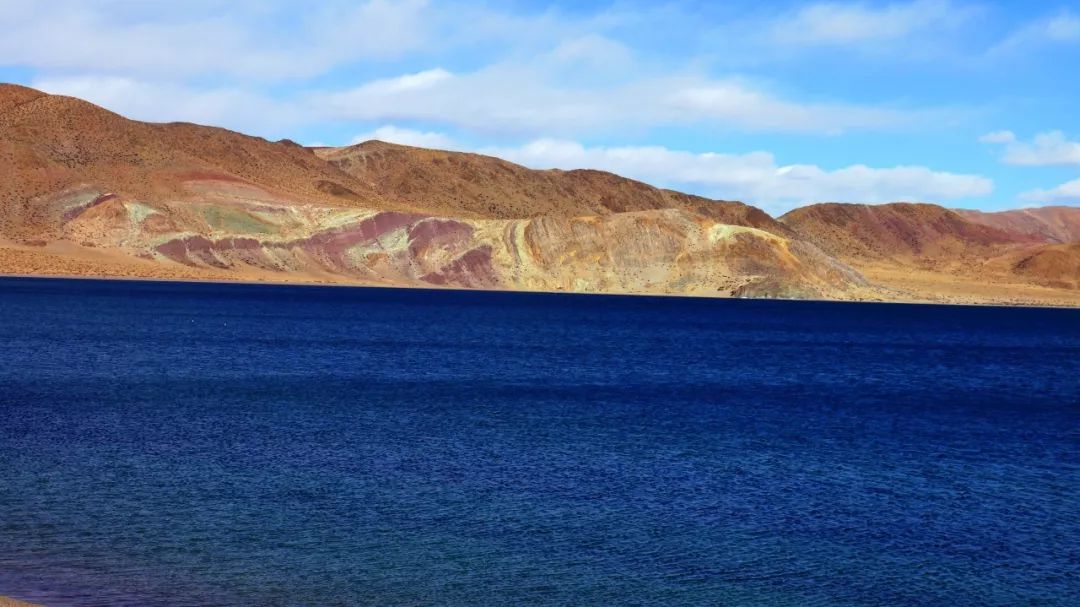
column 653, row 251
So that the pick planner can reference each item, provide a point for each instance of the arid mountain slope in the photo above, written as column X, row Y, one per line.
column 1056, row 265
column 899, row 231
column 668, row 251
column 923, row 248
column 473, row 185
column 1054, row 223
column 84, row 190
column 49, row 143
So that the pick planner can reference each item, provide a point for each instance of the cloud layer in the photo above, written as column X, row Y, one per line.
column 539, row 73
column 847, row 24
column 1046, row 149
column 529, row 100
column 246, row 41
column 1066, row 193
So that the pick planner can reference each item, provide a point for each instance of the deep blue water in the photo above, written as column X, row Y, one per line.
column 177, row 444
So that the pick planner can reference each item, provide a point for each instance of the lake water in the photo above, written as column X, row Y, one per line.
column 175, row 444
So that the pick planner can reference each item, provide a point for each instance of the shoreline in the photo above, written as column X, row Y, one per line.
column 64, row 260
column 10, row 602
column 363, row 285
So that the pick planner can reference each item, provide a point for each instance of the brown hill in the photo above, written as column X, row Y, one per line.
column 86, row 191
column 51, row 143
column 1055, row 265
column 13, row 95
column 1053, row 223
column 927, row 251
column 898, row 231
column 474, row 185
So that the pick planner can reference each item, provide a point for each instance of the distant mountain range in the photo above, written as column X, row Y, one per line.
column 86, row 192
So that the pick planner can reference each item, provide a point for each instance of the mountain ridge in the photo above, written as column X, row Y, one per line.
column 522, row 192
column 88, row 189
column 1055, row 223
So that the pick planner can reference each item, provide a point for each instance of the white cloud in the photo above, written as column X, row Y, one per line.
column 594, row 52
column 500, row 101
column 1050, row 148
column 407, row 83
column 1068, row 192
column 1063, row 28
column 528, row 100
column 753, row 177
column 375, row 28
column 493, row 100
column 732, row 102
column 392, row 134
column 998, row 137
column 559, row 74
column 243, row 40
column 845, row 24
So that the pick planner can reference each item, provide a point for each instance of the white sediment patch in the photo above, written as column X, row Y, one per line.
column 724, row 231
column 396, row 240
column 138, row 212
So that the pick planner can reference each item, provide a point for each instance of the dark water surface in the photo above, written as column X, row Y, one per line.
column 175, row 444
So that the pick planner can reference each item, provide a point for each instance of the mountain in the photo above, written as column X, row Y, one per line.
column 473, row 185
column 1052, row 265
column 961, row 255
column 85, row 191
column 52, row 142
column 899, row 231
column 1053, row 223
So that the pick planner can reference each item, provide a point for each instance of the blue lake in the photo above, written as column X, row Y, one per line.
column 166, row 444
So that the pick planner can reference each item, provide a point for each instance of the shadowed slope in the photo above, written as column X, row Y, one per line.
column 1054, row 223
column 1053, row 265
column 899, row 231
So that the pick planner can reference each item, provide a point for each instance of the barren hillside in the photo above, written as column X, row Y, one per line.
column 86, row 191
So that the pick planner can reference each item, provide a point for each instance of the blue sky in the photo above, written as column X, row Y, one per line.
column 969, row 104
